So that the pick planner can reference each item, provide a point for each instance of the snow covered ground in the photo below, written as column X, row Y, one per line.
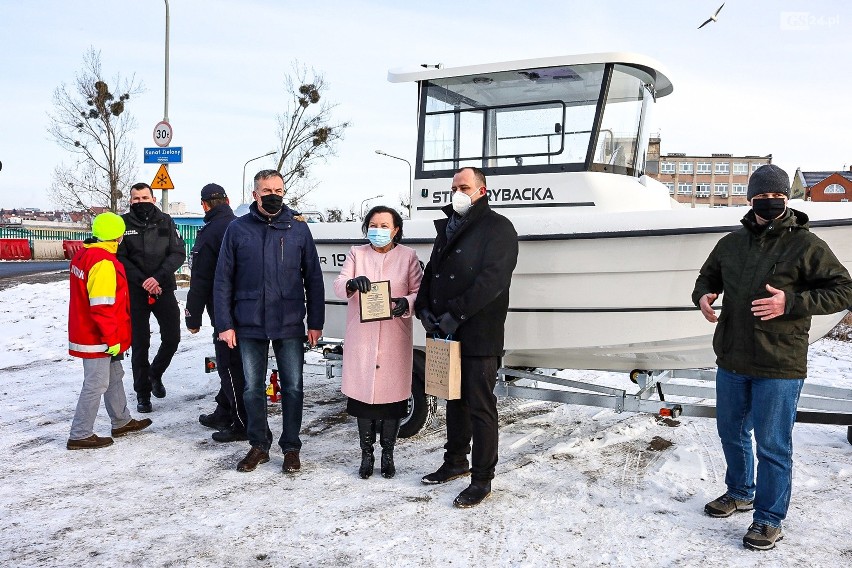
column 575, row 486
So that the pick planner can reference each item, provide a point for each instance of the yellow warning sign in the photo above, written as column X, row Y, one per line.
column 162, row 179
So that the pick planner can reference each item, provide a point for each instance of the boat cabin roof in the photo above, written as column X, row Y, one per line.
column 662, row 83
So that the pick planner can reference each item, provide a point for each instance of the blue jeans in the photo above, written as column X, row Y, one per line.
column 289, row 357
column 767, row 408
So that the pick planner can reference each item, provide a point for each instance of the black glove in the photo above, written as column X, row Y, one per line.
column 359, row 284
column 448, row 324
column 428, row 319
column 400, row 307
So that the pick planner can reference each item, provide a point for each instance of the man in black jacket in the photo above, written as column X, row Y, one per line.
column 465, row 292
column 151, row 251
column 229, row 418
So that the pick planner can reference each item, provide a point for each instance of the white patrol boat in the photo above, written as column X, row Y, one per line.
column 607, row 259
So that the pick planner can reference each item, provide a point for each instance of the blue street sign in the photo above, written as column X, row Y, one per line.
column 168, row 155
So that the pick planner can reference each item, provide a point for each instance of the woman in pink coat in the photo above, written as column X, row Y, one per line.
column 377, row 356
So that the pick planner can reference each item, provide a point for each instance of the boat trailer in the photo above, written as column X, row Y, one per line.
column 663, row 393
column 668, row 394
column 673, row 393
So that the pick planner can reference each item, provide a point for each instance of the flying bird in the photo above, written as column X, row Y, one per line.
column 712, row 18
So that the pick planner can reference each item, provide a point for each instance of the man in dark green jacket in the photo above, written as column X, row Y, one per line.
column 775, row 275
column 151, row 251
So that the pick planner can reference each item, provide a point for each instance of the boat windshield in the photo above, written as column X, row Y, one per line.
column 535, row 120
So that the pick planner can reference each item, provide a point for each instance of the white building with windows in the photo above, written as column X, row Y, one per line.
column 717, row 180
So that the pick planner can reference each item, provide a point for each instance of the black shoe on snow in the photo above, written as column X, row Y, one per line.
column 230, row 435
column 475, row 493
column 157, row 388
column 214, row 422
column 444, row 474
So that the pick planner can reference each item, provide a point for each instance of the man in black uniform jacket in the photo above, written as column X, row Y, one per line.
column 151, row 252
column 230, row 414
column 465, row 292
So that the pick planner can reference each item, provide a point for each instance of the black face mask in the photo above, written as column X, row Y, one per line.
column 142, row 209
column 769, row 208
column 272, row 203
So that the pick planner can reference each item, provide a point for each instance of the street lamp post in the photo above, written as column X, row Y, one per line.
column 410, row 175
column 244, row 173
column 366, row 200
column 165, row 197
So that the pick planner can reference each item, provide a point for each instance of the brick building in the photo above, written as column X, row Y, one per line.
column 823, row 186
column 717, row 180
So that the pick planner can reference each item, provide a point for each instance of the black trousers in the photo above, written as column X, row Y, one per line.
column 167, row 313
column 229, row 399
column 474, row 417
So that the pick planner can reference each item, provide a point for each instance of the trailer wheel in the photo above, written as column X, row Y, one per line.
column 634, row 375
column 849, row 434
column 421, row 407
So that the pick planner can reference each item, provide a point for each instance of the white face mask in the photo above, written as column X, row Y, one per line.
column 461, row 202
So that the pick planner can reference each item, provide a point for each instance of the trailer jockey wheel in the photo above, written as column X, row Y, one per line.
column 634, row 375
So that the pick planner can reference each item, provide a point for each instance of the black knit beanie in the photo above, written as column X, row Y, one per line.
column 768, row 178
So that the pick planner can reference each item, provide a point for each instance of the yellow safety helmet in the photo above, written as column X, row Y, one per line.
column 107, row 226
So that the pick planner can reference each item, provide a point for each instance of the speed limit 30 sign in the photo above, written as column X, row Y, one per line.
column 162, row 134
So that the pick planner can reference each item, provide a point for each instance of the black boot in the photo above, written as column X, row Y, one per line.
column 474, row 494
column 387, row 439
column 367, row 437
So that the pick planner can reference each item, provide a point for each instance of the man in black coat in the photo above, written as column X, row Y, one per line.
column 229, row 418
column 465, row 293
column 151, row 251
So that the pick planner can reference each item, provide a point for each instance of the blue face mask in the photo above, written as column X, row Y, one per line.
column 379, row 237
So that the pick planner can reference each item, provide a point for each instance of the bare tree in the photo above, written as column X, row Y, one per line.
column 93, row 124
column 405, row 203
column 306, row 131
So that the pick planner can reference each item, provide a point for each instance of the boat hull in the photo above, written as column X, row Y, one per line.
column 606, row 299
column 597, row 290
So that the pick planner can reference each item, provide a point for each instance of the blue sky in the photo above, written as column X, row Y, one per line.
column 768, row 77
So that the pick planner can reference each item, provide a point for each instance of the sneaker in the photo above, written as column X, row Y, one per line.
column 762, row 537
column 144, row 406
column 92, row 442
column 230, row 435
column 254, row 458
column 214, row 422
column 291, row 462
column 157, row 388
column 725, row 506
column 132, row 426
column 475, row 493
column 444, row 474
